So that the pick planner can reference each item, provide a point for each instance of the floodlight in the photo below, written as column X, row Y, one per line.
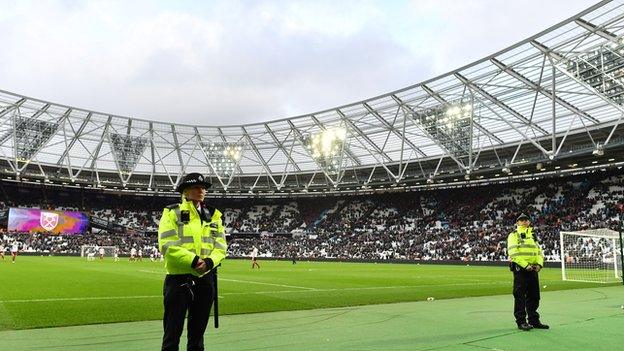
column 223, row 157
column 326, row 145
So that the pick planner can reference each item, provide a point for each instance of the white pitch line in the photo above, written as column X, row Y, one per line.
column 248, row 293
column 358, row 288
column 163, row 273
column 272, row 284
column 83, row 298
column 244, row 281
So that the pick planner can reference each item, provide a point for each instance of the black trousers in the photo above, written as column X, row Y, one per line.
column 184, row 293
column 526, row 296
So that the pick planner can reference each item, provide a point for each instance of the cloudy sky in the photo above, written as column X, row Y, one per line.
column 230, row 62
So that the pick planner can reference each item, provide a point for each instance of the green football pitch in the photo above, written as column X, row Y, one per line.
column 307, row 306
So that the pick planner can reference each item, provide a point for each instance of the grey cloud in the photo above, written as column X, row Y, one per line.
column 231, row 65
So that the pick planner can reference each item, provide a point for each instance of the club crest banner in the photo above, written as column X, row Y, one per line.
column 48, row 220
column 52, row 222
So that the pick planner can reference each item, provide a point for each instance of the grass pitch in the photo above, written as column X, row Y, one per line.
column 62, row 291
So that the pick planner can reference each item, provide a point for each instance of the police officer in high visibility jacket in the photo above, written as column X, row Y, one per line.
column 191, row 238
column 526, row 260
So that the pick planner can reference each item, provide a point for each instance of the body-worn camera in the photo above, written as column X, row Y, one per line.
column 185, row 216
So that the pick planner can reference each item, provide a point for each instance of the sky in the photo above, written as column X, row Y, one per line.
column 237, row 62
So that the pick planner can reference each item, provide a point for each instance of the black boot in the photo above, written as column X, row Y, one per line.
column 539, row 325
column 525, row 326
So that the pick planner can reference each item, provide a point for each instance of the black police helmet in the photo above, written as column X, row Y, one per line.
column 523, row 217
column 193, row 179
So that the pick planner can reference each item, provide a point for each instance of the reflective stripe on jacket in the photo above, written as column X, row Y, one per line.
column 523, row 249
column 179, row 243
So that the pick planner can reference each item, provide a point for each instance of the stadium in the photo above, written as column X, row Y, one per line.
column 380, row 224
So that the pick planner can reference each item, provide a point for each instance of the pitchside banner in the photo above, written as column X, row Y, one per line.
column 54, row 222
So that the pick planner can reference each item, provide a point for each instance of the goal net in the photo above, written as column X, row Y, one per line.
column 591, row 256
column 94, row 251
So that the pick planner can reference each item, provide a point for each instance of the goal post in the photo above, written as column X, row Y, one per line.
column 592, row 255
column 620, row 234
column 85, row 250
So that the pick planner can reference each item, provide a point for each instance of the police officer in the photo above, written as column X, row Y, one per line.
column 526, row 260
column 191, row 237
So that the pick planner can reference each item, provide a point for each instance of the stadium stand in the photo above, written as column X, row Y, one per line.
column 442, row 224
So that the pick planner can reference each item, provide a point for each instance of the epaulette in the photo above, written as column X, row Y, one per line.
column 172, row 206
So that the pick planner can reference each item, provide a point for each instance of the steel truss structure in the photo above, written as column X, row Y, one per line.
column 525, row 109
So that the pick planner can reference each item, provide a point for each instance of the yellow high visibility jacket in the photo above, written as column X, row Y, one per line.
column 523, row 249
column 181, row 242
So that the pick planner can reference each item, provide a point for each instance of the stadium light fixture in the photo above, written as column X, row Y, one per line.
column 450, row 124
column 600, row 69
column 326, row 145
column 457, row 112
column 599, row 151
column 449, row 117
column 224, row 157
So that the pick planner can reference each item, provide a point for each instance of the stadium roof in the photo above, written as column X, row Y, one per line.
column 556, row 95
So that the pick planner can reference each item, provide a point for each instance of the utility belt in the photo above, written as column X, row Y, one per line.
column 514, row 267
column 188, row 278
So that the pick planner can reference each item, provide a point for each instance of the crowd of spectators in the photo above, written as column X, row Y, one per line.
column 72, row 244
column 470, row 223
